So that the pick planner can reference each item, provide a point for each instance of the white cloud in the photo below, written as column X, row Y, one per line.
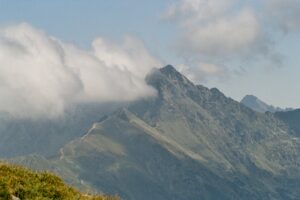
column 200, row 72
column 284, row 13
column 198, row 10
column 226, row 36
column 40, row 75
column 226, row 32
column 214, row 29
column 131, row 55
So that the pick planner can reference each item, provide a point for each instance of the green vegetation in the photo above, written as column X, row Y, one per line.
column 25, row 184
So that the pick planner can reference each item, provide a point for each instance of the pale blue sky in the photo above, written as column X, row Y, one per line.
column 80, row 21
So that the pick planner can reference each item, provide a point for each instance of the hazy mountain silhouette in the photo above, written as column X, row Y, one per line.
column 258, row 105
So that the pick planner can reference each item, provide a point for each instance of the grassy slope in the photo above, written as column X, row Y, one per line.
column 25, row 184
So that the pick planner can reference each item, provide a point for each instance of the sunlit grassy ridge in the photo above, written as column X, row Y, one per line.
column 27, row 185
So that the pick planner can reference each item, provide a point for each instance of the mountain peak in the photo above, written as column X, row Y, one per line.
column 250, row 97
column 167, row 75
column 258, row 105
column 171, row 72
column 168, row 69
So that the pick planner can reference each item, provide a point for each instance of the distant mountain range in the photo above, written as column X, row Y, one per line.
column 188, row 143
column 258, row 105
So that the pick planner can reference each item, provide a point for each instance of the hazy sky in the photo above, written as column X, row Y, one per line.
column 239, row 46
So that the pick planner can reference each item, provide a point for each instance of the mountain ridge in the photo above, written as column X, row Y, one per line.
column 188, row 142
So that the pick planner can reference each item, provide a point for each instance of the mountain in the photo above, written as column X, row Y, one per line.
column 19, row 183
column 258, row 105
column 187, row 143
column 46, row 136
column 292, row 119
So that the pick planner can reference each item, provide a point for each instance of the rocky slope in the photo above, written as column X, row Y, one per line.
column 189, row 142
column 46, row 136
column 292, row 119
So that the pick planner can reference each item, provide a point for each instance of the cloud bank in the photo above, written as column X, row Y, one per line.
column 213, row 31
column 284, row 14
column 41, row 75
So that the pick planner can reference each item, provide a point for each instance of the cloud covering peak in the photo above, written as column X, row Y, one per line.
column 41, row 75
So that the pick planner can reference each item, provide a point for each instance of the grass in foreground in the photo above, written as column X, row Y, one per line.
column 27, row 185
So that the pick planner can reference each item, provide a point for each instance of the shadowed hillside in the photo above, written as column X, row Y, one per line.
column 292, row 119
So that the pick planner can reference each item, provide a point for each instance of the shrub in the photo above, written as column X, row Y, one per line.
column 28, row 185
